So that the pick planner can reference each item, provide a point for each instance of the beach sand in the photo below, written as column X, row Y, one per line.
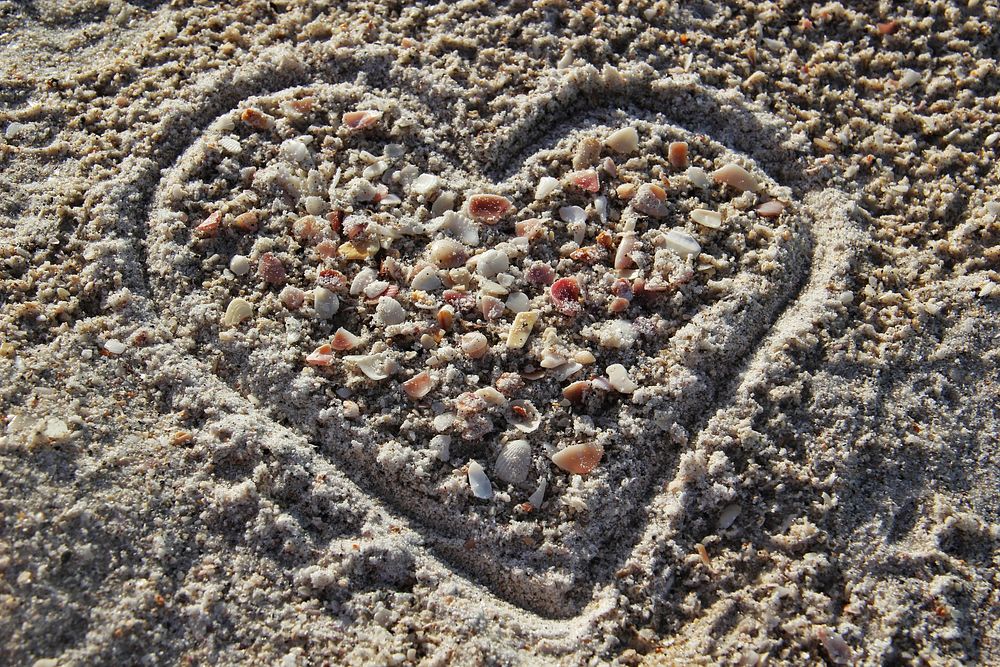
column 499, row 333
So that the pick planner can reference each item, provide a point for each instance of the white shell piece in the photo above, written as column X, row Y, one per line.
column 238, row 310
column 625, row 140
column 389, row 311
column 492, row 262
column 707, row 218
column 736, row 176
column 513, row 463
column 681, row 242
column 572, row 214
column 619, row 378
column 375, row 366
column 528, row 422
column 698, row 177
column 325, row 302
column 728, row 516
column 546, row 186
column 425, row 184
column 479, row 482
column 538, row 496
column 426, row 280
column 441, row 444
column 362, row 280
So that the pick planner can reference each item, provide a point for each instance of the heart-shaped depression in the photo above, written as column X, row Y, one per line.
column 466, row 349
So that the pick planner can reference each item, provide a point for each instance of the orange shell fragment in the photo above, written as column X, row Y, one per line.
column 579, row 459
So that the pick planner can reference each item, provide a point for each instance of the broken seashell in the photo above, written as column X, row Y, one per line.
column 258, row 120
column 441, row 444
column 698, row 177
column 389, row 311
column 524, row 416
column 325, row 302
column 419, row 385
column 321, row 356
column 551, row 359
column 448, row 253
column 425, row 184
column 292, row 297
column 475, row 345
column 577, row 391
column 538, row 496
column 426, row 280
column 579, row 459
column 492, row 262
column 625, row 140
column 210, row 227
column 491, row 396
column 479, row 482
column 736, row 176
column 649, row 200
column 546, row 186
column 361, row 120
column 677, row 154
column 619, row 378
column 245, row 222
column 707, row 218
column 622, row 258
column 540, row 273
column 374, row 366
column 270, row 268
column 567, row 370
column 770, row 209
column 520, row 330
column 681, row 242
column 513, row 463
column 238, row 310
column 586, row 180
column 445, row 317
column 491, row 307
column 572, row 214
column 488, row 209
column 358, row 250
column 344, row 340
column 565, row 294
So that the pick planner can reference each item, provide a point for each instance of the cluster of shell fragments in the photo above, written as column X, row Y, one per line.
column 488, row 335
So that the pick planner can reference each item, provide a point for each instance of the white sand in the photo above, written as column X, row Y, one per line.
column 807, row 473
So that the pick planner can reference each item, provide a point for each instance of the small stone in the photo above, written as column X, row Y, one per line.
column 292, row 297
column 625, row 140
column 588, row 152
column 270, row 269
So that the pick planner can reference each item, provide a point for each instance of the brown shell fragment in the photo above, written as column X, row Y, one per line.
column 577, row 391
column 489, row 209
column 579, row 459
column 245, row 222
column 210, row 227
column 258, row 120
column 677, row 154
column 419, row 385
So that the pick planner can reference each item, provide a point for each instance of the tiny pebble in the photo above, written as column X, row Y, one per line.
column 239, row 265
column 114, row 346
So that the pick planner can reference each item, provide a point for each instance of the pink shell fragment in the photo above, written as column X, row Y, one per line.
column 565, row 294
column 321, row 356
column 419, row 385
column 489, row 208
column 361, row 120
column 586, row 179
column 210, row 227
column 770, row 209
column 579, row 459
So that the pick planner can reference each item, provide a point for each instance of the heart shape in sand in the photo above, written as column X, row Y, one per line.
column 456, row 332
